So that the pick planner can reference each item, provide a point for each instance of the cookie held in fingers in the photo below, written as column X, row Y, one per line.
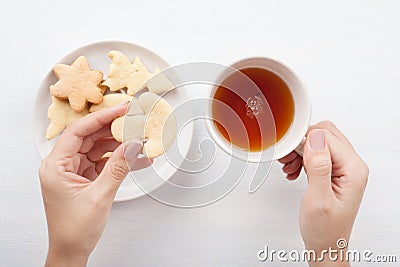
column 157, row 127
column 124, row 74
column 60, row 115
column 128, row 127
column 78, row 83
column 160, row 127
column 159, row 83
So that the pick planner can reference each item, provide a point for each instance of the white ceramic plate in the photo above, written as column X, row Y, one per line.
column 97, row 55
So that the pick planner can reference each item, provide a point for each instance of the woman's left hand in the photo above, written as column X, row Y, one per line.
column 79, row 186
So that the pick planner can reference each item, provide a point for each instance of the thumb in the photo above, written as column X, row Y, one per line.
column 317, row 162
column 117, row 166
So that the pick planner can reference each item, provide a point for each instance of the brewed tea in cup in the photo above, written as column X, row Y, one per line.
column 260, row 111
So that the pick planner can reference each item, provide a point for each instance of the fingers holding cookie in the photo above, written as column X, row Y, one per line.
column 80, row 91
column 110, row 100
column 71, row 140
column 101, row 149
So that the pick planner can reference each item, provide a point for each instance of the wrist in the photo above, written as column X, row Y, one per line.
column 332, row 257
column 59, row 259
column 329, row 263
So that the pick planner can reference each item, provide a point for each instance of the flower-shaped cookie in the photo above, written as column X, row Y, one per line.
column 78, row 83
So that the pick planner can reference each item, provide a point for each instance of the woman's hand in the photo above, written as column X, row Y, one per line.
column 337, row 178
column 79, row 186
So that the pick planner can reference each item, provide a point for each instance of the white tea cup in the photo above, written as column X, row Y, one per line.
column 293, row 138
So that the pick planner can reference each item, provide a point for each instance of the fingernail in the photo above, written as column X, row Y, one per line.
column 121, row 104
column 286, row 166
column 317, row 140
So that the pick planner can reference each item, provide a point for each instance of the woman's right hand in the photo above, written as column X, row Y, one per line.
column 337, row 179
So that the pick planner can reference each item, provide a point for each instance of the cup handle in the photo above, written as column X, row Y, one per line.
column 300, row 148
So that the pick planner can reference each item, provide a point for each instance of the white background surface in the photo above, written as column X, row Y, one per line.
column 346, row 52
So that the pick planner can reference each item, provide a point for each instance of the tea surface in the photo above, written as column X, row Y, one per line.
column 242, row 123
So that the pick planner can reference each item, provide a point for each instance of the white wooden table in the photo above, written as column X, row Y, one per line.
column 346, row 52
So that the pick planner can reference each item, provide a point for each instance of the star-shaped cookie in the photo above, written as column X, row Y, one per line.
column 123, row 74
column 60, row 115
column 78, row 83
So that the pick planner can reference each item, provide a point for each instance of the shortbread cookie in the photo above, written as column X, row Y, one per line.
column 110, row 100
column 78, row 83
column 123, row 74
column 159, row 83
column 134, row 128
column 60, row 115
column 157, row 127
column 160, row 128
column 134, row 107
column 103, row 88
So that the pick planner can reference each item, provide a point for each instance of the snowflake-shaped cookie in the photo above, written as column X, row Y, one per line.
column 78, row 83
